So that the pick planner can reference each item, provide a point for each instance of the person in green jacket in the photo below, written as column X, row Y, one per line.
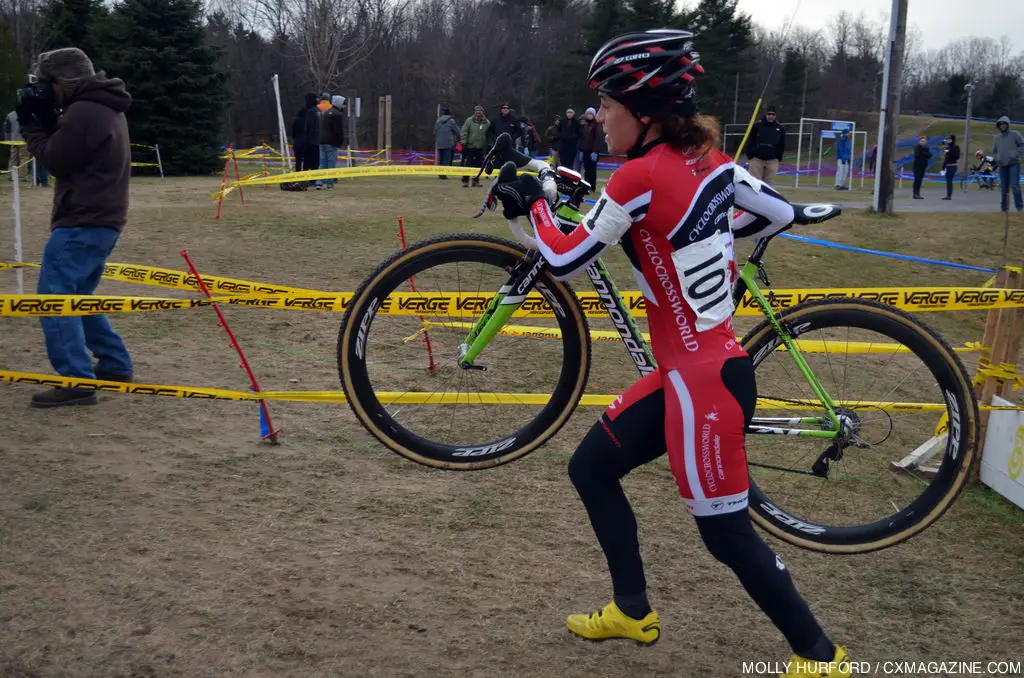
column 474, row 142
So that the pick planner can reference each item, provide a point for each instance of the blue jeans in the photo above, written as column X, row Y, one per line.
column 73, row 264
column 328, row 160
column 42, row 176
column 1009, row 177
column 444, row 156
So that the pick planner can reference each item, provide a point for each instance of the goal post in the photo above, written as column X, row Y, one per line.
column 834, row 134
column 836, row 125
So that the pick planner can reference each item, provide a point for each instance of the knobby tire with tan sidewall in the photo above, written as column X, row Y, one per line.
column 959, row 456
column 389, row 276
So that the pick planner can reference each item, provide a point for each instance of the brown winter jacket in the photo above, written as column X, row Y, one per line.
column 89, row 155
column 591, row 136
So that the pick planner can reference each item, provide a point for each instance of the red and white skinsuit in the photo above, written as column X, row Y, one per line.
column 670, row 211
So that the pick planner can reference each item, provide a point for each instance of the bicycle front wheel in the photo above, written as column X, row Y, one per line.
column 909, row 419
column 400, row 345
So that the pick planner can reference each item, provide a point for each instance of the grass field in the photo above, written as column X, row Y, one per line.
column 154, row 537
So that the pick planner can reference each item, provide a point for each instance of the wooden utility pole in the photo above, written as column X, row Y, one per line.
column 969, row 88
column 736, row 100
column 888, row 124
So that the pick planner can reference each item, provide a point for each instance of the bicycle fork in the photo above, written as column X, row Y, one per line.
column 521, row 281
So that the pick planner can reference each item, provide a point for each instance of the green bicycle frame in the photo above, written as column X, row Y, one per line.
column 748, row 276
column 523, row 278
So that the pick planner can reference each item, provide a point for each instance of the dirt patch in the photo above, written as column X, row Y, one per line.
column 156, row 537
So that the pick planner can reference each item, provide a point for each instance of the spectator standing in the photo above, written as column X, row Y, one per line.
column 531, row 139
column 568, row 139
column 1007, row 152
column 766, row 146
column 446, row 136
column 298, row 138
column 843, row 156
column 506, row 122
column 474, row 142
column 591, row 136
column 305, row 136
column 551, row 139
column 86, row 146
column 311, row 133
column 332, row 137
column 949, row 165
column 922, row 154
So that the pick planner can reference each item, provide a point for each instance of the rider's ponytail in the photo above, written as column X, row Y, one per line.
column 698, row 132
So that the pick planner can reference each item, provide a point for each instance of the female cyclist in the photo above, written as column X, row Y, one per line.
column 669, row 207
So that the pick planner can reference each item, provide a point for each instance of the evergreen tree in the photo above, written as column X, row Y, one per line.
column 607, row 19
column 178, row 93
column 1006, row 92
column 74, row 23
column 646, row 14
column 13, row 74
column 722, row 38
column 791, row 83
column 954, row 103
column 13, row 71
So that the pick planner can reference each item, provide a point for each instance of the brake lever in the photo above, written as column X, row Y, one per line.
column 488, row 164
column 490, row 200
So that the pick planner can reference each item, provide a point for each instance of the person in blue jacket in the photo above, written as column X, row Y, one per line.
column 843, row 157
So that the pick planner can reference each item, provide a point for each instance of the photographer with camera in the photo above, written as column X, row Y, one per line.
column 73, row 121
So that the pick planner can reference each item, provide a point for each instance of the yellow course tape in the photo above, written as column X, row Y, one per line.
column 182, row 280
column 912, row 299
column 805, row 345
column 453, row 304
column 436, row 304
column 1002, row 371
column 39, row 305
column 408, row 398
column 349, row 172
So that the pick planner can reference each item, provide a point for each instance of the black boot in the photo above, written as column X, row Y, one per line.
column 61, row 397
column 112, row 376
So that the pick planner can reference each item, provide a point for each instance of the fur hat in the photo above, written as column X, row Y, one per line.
column 69, row 67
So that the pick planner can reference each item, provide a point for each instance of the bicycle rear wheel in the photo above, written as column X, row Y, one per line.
column 897, row 385
column 400, row 343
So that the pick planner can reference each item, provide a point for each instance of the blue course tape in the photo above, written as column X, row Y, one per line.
column 880, row 253
column 891, row 255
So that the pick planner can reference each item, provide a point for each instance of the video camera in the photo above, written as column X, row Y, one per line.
column 36, row 92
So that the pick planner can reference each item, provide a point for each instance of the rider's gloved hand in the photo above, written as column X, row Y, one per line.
column 547, row 182
column 518, row 195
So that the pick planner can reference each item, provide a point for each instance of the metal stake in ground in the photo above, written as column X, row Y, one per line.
column 272, row 433
column 412, row 283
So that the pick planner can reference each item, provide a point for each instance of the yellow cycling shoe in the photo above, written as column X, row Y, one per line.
column 800, row 667
column 611, row 622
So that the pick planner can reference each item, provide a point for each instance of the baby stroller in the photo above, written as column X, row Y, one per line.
column 984, row 173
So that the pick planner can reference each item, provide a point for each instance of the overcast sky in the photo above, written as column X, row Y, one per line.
column 939, row 21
